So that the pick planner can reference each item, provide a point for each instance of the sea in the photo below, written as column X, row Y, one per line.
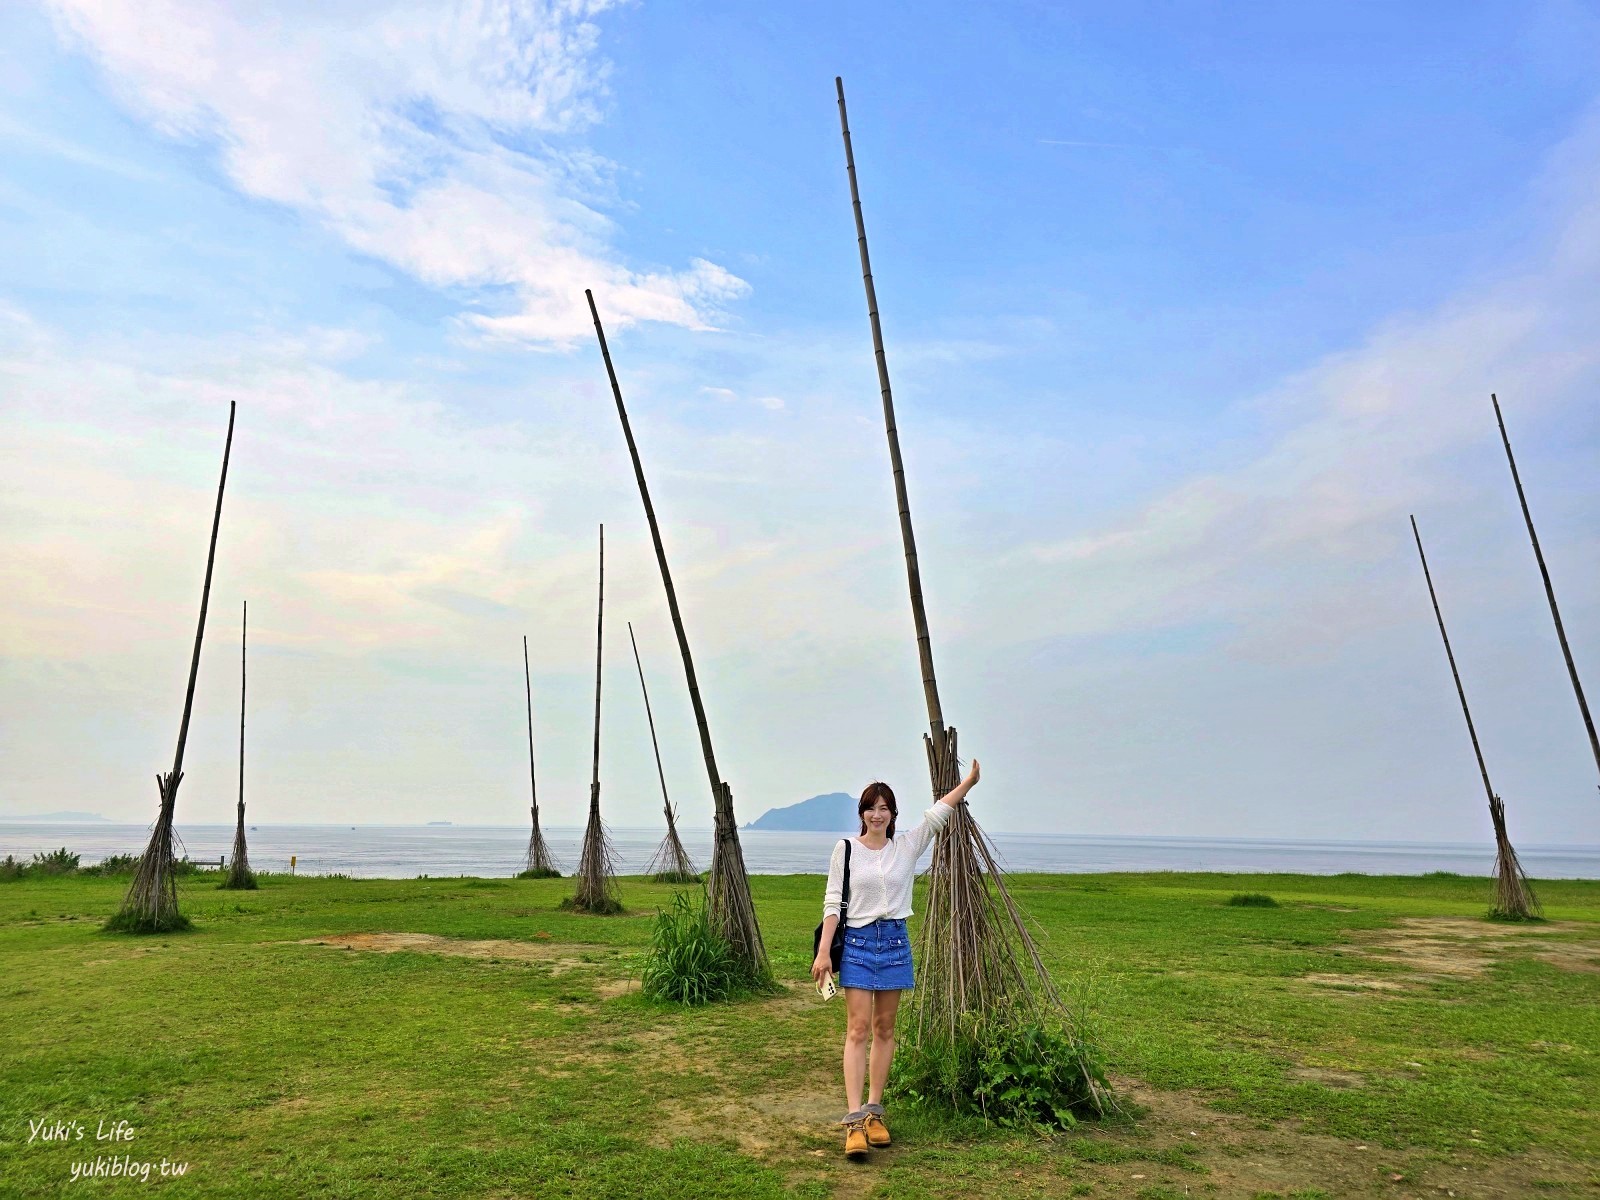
column 407, row 851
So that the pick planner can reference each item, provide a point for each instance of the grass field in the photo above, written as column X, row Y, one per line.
column 462, row 1037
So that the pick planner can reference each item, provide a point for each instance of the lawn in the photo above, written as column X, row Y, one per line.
column 1368, row 1035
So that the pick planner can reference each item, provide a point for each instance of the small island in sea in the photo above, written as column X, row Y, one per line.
column 833, row 812
column 441, row 822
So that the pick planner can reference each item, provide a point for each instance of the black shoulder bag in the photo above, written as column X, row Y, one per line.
column 836, row 947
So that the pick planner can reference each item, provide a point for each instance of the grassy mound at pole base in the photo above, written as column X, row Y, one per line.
column 538, row 873
column 607, row 906
column 131, row 922
column 1028, row 1073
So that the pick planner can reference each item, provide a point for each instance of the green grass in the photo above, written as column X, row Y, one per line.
column 279, row 1069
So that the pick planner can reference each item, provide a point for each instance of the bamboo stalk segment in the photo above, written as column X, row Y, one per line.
column 1549, row 588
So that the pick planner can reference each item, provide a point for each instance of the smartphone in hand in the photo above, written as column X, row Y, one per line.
column 827, row 989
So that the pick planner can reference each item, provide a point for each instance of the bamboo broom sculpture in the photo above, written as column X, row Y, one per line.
column 597, row 886
column 732, row 910
column 1514, row 899
column 978, row 961
column 540, row 864
column 671, row 863
column 151, row 903
column 240, row 876
column 1549, row 591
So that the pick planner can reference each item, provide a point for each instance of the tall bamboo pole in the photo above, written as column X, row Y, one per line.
column 151, row 903
column 729, row 900
column 539, row 864
column 666, row 804
column 596, row 876
column 977, row 952
column 1514, row 897
column 599, row 660
column 1549, row 590
column 671, row 861
column 239, row 874
column 919, row 614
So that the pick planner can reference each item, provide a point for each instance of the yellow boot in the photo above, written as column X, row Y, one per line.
column 877, row 1130
column 855, row 1135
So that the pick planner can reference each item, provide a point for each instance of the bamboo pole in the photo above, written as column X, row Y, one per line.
column 1549, row 590
column 596, row 869
column 1514, row 898
column 151, row 903
column 919, row 614
column 671, row 863
column 729, row 901
column 539, row 864
column 239, row 874
column 599, row 658
column 974, row 945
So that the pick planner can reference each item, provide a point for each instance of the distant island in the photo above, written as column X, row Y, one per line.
column 834, row 812
column 432, row 823
column 72, row 817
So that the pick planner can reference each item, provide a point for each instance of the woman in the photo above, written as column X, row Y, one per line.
column 876, row 965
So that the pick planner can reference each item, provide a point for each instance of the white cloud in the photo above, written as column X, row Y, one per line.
column 433, row 136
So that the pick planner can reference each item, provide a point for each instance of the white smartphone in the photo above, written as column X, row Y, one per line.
column 827, row 989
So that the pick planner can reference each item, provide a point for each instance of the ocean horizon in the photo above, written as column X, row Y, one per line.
column 406, row 851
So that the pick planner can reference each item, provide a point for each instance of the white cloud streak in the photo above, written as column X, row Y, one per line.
column 435, row 137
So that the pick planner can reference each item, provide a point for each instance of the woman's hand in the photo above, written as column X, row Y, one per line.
column 972, row 775
column 822, row 967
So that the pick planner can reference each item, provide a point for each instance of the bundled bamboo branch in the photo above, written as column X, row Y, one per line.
column 732, row 910
column 597, row 885
column 240, row 876
column 151, row 903
column 540, row 864
column 1549, row 589
column 1514, row 899
column 671, row 863
column 981, row 973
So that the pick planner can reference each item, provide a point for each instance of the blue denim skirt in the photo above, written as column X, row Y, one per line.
column 877, row 957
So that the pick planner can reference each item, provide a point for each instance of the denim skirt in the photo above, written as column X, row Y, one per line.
column 877, row 957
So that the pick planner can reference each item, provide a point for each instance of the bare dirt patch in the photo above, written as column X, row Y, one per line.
column 1244, row 1159
column 1354, row 982
column 558, row 956
column 1456, row 947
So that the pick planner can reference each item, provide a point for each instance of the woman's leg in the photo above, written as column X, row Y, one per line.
column 858, row 1020
column 885, row 1006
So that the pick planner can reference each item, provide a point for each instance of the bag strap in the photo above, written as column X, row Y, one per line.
column 844, row 899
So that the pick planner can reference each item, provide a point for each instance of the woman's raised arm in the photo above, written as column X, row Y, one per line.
column 959, row 793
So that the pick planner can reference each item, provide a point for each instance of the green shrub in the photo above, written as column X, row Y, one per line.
column 1023, row 1074
column 539, row 873
column 1252, row 900
column 689, row 961
column 12, row 869
column 57, row 862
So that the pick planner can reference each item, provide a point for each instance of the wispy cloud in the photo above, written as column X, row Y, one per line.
column 438, row 138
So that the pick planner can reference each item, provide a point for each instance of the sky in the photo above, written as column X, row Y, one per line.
column 1187, row 309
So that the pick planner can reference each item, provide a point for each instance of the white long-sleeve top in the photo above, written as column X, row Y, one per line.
column 880, row 880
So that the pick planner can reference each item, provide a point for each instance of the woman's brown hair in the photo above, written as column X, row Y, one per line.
column 878, row 791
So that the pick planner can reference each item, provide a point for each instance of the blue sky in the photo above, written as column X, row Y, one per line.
column 1187, row 308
